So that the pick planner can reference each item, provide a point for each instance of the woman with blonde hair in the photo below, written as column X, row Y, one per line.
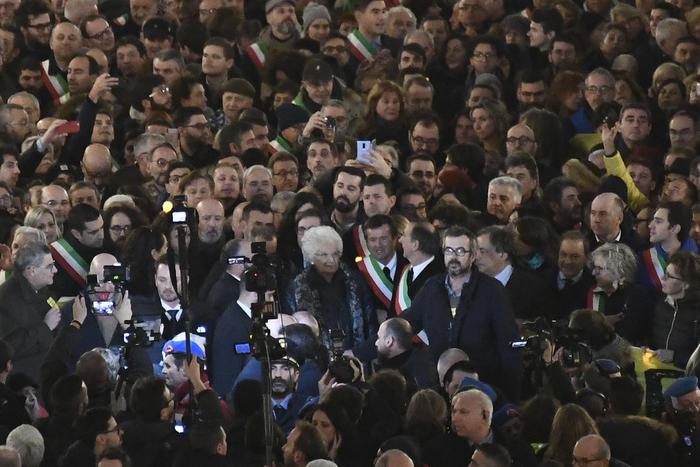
column 43, row 219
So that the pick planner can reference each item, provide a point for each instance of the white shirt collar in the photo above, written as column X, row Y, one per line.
column 166, row 307
column 246, row 309
column 391, row 264
column 418, row 268
column 617, row 239
column 504, row 276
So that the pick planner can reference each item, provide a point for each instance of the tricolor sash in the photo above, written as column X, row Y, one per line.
column 299, row 102
column 55, row 84
column 361, row 47
column 381, row 286
column 278, row 144
column 403, row 300
column 358, row 237
column 69, row 259
column 655, row 265
column 257, row 52
column 596, row 300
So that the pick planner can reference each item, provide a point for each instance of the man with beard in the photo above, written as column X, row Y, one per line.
column 65, row 44
column 531, row 91
column 280, row 33
column 210, row 239
column 195, row 137
column 421, row 169
column 159, row 160
column 424, row 136
column 83, row 235
column 286, row 400
column 347, row 189
column 561, row 200
column 395, row 351
column 467, row 309
column 34, row 20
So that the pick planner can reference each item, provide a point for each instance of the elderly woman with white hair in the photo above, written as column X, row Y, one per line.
column 335, row 294
column 625, row 303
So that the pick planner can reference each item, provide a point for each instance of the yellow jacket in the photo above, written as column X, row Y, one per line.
column 614, row 165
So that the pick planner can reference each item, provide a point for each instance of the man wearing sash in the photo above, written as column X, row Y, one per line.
column 668, row 232
column 280, row 33
column 420, row 245
column 82, row 240
column 369, row 38
column 65, row 43
column 377, row 198
column 291, row 120
column 382, row 266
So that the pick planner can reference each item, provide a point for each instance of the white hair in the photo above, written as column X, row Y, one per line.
column 666, row 29
column 37, row 235
column 252, row 168
column 402, row 9
column 484, row 401
column 31, row 97
column 317, row 236
column 29, row 443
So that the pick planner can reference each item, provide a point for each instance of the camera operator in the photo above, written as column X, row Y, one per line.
column 395, row 350
column 107, row 309
column 682, row 410
column 227, row 286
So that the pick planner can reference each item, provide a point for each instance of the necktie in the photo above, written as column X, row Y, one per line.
column 170, row 324
column 387, row 272
column 409, row 276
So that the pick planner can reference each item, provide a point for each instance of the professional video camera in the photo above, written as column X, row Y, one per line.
column 339, row 366
column 575, row 351
column 141, row 333
column 103, row 299
column 180, row 213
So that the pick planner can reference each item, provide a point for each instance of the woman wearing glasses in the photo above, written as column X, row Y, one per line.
column 675, row 326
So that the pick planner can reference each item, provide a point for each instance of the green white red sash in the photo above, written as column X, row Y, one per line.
column 278, row 144
column 380, row 284
column 299, row 102
column 596, row 300
column 257, row 52
column 361, row 47
column 55, row 84
column 403, row 300
column 655, row 264
column 69, row 259
column 358, row 237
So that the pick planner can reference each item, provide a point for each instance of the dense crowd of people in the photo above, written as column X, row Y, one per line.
column 349, row 233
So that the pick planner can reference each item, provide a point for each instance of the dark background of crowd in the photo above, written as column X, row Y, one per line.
column 481, row 218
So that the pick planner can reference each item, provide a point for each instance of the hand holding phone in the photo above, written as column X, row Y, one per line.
column 70, row 127
column 363, row 149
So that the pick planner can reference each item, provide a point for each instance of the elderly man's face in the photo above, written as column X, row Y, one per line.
column 258, row 185
column 605, row 217
column 598, row 90
column 502, row 201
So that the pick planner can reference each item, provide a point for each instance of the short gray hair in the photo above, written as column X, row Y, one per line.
column 171, row 55
column 510, row 182
column 252, row 168
column 665, row 28
column 619, row 259
column 37, row 235
column 29, row 255
column 403, row 9
column 31, row 97
column 143, row 141
column 316, row 236
column 603, row 72
column 29, row 443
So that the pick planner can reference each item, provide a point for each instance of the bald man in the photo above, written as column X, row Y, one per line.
column 55, row 198
column 97, row 166
column 448, row 358
column 101, row 313
column 592, row 451
column 521, row 138
column 211, row 220
column 308, row 318
column 65, row 44
column 606, row 223
column 394, row 458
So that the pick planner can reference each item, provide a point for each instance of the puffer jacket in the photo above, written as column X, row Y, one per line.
column 676, row 326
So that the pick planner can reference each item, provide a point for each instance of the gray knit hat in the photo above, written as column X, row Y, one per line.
column 313, row 12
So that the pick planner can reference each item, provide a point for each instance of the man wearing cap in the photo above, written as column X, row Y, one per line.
column 317, row 86
column 280, row 33
column 291, row 120
column 237, row 95
column 682, row 410
column 286, row 400
column 157, row 34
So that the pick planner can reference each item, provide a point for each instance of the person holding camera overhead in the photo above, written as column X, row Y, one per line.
column 334, row 293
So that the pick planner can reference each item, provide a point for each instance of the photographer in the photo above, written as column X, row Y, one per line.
column 595, row 330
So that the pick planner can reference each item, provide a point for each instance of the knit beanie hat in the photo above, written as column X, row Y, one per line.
column 313, row 12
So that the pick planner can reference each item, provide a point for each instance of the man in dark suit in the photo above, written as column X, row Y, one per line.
column 27, row 321
column 495, row 256
column 607, row 223
column 421, row 247
column 573, row 280
column 232, row 328
column 226, row 289
column 467, row 309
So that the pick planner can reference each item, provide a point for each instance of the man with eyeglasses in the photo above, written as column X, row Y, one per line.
column 594, row 451
column 521, row 138
column 424, row 136
column 599, row 88
column 55, row 198
column 195, row 137
column 531, row 90
column 27, row 321
column 33, row 17
column 285, row 171
column 421, row 169
column 99, row 432
column 467, row 309
column 159, row 160
column 97, row 32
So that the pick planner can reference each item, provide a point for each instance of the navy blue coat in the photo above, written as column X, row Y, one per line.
column 233, row 327
column 483, row 327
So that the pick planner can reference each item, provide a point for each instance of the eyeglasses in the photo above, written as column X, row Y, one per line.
column 520, row 141
column 459, row 252
column 199, row 126
column 667, row 276
column 106, row 32
column 120, row 229
column 419, row 140
column 162, row 163
column 483, row 56
column 598, row 89
column 286, row 173
column 40, row 26
column 207, row 11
